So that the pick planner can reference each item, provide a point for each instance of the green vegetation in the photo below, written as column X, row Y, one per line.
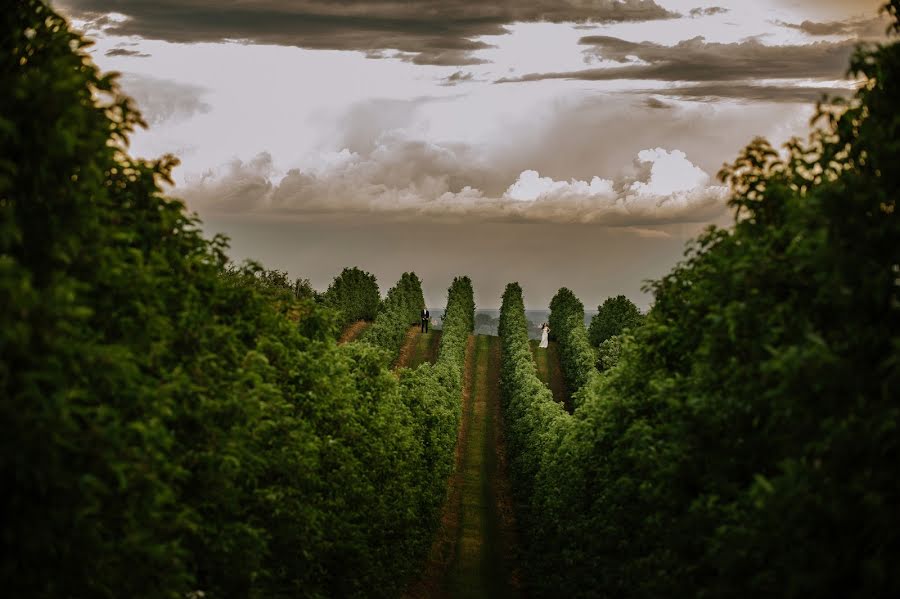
column 354, row 295
column 614, row 315
column 745, row 442
column 549, row 370
column 172, row 423
column 481, row 566
column 399, row 311
column 575, row 351
column 426, row 348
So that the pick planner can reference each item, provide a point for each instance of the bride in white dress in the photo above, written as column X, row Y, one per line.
column 545, row 332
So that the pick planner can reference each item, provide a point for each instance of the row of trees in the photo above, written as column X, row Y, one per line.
column 399, row 310
column 173, row 424
column 576, row 354
column 354, row 295
column 433, row 392
column 745, row 443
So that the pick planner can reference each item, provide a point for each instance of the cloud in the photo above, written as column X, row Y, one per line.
column 656, row 103
column 235, row 187
column 125, row 52
column 457, row 78
column 408, row 179
column 786, row 94
column 707, row 12
column 162, row 100
column 863, row 28
column 698, row 60
column 438, row 32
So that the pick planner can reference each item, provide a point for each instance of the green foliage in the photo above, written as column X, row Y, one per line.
column 172, row 423
column 433, row 392
column 745, row 443
column 401, row 309
column 534, row 423
column 576, row 354
column 613, row 316
column 354, row 294
column 608, row 353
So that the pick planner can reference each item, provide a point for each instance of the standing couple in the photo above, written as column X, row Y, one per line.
column 425, row 318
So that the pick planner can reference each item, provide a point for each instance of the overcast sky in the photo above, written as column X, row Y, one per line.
column 558, row 143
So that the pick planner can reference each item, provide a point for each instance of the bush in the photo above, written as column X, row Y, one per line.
column 354, row 294
column 613, row 316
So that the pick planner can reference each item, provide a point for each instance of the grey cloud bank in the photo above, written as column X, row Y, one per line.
column 699, row 60
column 436, row 32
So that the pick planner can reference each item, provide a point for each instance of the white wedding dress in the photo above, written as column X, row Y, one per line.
column 545, row 341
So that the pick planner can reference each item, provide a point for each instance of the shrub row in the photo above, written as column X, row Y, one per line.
column 576, row 354
column 400, row 310
column 171, row 424
column 434, row 393
column 354, row 295
column 534, row 421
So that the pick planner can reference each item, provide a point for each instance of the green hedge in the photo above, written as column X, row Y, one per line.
column 576, row 354
column 170, row 423
column 354, row 295
column 535, row 423
column 433, row 393
column 400, row 310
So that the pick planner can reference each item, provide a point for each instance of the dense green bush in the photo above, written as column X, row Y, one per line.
column 534, row 421
column 576, row 354
column 745, row 444
column 400, row 310
column 434, row 393
column 172, row 423
column 354, row 295
column 613, row 316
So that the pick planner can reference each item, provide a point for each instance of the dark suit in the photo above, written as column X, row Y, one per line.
column 425, row 318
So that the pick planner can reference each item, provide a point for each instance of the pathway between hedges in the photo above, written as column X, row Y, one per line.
column 473, row 554
column 549, row 370
column 353, row 331
column 418, row 348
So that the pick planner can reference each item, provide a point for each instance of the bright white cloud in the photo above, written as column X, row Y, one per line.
column 530, row 186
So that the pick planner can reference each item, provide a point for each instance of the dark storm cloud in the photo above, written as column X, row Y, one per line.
column 761, row 93
column 698, row 60
column 425, row 32
column 126, row 52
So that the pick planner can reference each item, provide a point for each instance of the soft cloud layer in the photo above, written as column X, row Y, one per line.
column 438, row 32
column 410, row 179
column 162, row 100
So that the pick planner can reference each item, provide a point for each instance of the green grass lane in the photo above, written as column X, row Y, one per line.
column 549, row 369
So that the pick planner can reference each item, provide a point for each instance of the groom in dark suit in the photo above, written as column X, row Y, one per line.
column 425, row 317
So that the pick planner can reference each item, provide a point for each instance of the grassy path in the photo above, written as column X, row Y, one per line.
column 549, row 370
column 425, row 349
column 353, row 331
column 473, row 553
